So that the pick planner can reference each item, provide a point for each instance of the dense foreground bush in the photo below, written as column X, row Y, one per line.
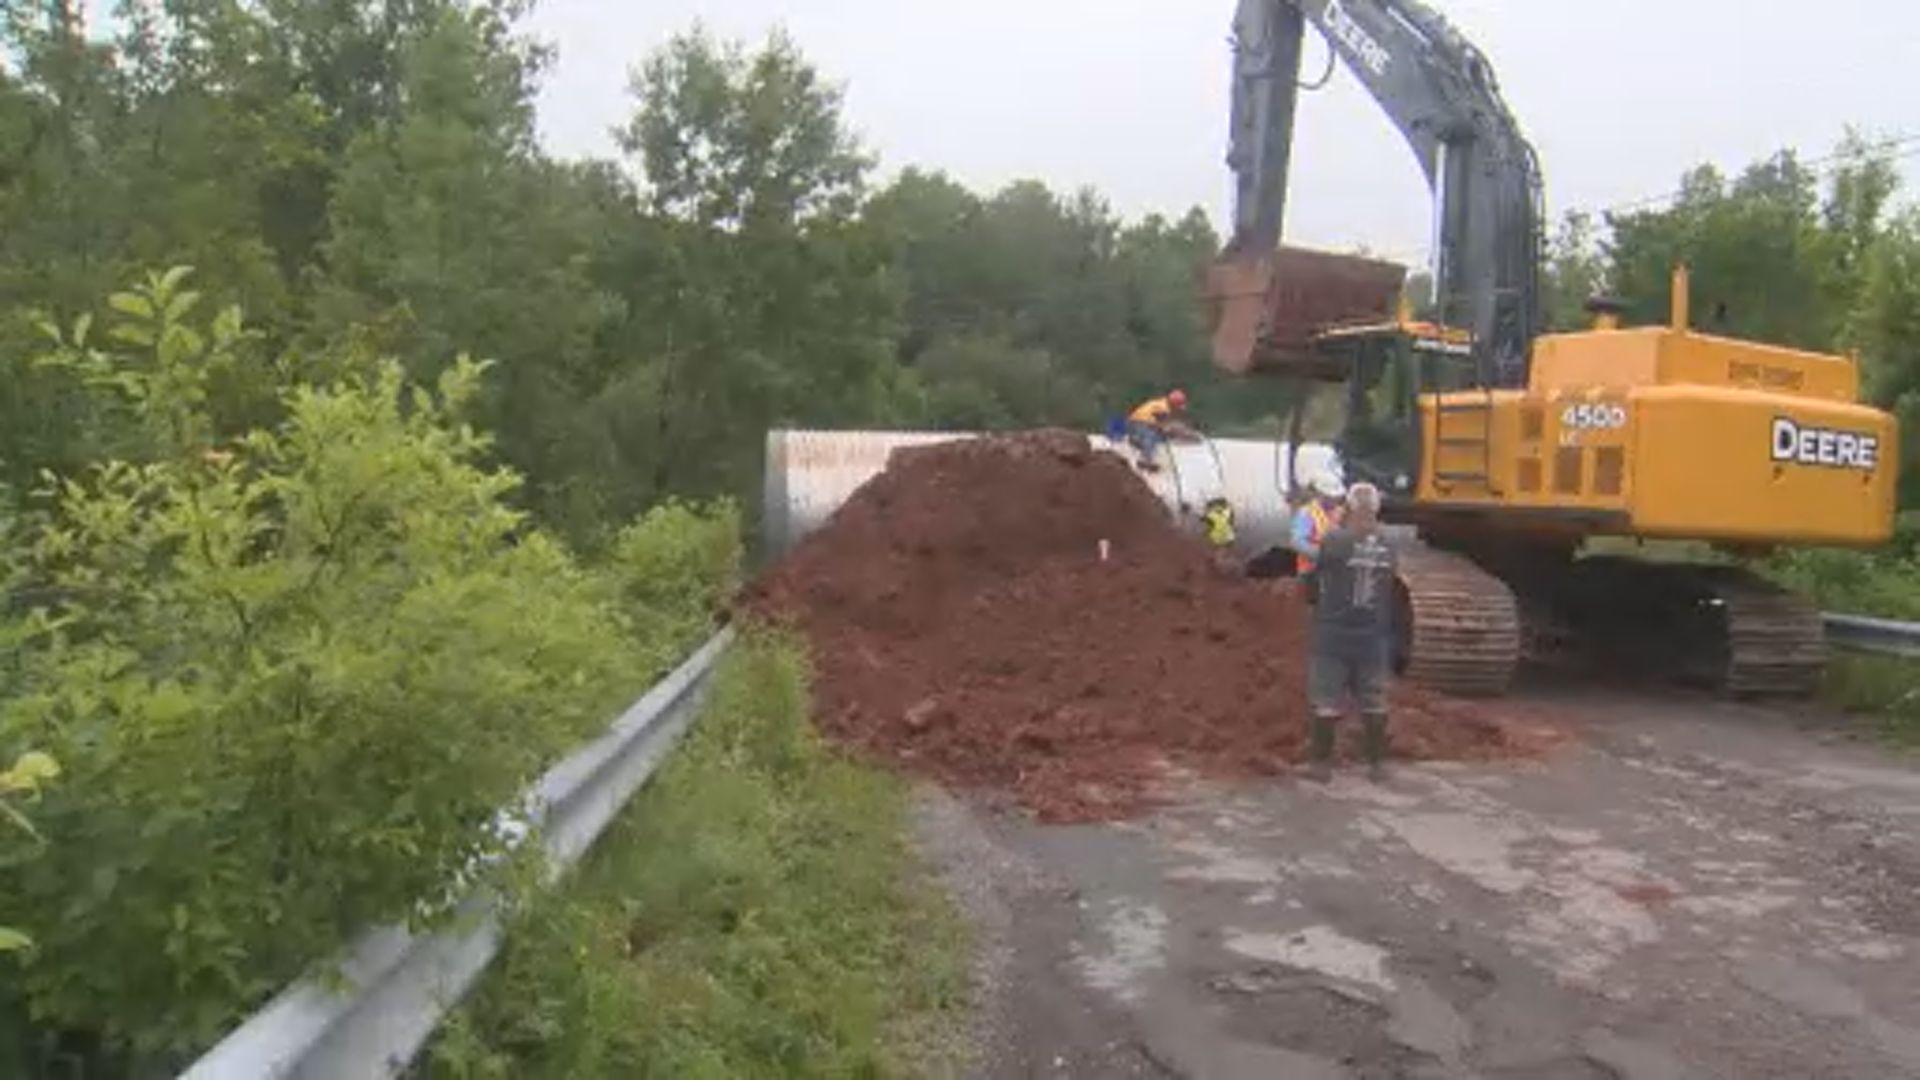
column 288, row 677
column 755, row 912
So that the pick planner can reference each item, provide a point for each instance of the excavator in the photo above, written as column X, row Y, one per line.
column 1536, row 472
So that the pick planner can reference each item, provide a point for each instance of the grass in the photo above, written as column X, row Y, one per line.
column 1887, row 688
column 1884, row 584
column 756, row 911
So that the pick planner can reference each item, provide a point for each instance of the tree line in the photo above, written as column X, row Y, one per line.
column 371, row 170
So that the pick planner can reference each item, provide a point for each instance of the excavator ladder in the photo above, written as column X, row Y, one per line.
column 1463, row 442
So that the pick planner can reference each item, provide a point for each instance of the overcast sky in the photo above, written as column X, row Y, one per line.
column 1130, row 96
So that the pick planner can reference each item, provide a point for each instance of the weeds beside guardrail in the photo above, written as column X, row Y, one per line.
column 397, row 985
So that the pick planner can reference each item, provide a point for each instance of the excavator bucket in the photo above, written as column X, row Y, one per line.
column 1237, row 292
column 1266, row 311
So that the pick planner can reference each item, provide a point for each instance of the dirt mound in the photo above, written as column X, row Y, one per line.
column 964, row 626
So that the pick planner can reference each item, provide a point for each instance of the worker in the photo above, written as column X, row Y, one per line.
column 1352, row 633
column 1219, row 518
column 1153, row 422
column 1312, row 522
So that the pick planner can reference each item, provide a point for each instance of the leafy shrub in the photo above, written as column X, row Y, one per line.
column 669, row 568
column 289, row 678
column 1884, row 581
column 21, row 782
column 1881, row 584
column 755, row 912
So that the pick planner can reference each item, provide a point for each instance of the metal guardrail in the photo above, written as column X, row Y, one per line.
column 1863, row 634
column 394, row 987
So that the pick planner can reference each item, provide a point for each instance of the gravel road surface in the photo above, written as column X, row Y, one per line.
column 1689, row 889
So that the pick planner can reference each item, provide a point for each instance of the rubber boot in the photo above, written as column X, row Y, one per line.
column 1374, row 737
column 1320, row 749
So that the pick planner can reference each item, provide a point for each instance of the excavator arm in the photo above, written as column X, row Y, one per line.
column 1441, row 93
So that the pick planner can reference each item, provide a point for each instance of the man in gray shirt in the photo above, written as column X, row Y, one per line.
column 1352, row 632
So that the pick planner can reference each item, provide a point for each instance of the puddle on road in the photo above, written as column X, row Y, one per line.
column 1742, row 905
column 1220, row 863
column 1589, row 923
column 1871, row 950
column 1473, row 847
column 1217, row 863
column 1136, row 947
column 1404, row 1012
column 1319, row 949
column 1830, row 776
column 1573, row 837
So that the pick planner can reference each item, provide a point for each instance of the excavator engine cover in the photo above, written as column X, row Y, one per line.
column 1266, row 312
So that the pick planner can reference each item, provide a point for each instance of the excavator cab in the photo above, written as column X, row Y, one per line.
column 1385, row 370
column 1316, row 317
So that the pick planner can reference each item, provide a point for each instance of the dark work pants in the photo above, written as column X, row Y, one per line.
column 1337, row 677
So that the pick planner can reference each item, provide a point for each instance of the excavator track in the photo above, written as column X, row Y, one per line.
column 1775, row 643
column 1461, row 628
column 1722, row 628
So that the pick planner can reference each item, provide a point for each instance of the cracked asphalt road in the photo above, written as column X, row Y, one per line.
column 1689, row 889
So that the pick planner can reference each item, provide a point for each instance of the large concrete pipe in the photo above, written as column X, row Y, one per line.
column 810, row 473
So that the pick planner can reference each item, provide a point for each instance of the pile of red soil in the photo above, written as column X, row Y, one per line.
column 964, row 627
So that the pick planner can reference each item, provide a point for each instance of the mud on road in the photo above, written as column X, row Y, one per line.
column 1687, row 889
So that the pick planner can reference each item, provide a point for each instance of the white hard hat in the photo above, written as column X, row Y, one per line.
column 1329, row 485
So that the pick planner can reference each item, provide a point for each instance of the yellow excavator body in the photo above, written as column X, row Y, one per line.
column 1664, row 433
column 1649, row 433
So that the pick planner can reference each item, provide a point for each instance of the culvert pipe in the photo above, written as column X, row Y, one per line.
column 809, row 474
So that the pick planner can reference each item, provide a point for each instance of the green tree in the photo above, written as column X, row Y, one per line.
column 449, row 231
column 21, row 782
column 753, row 293
column 730, row 138
column 1884, row 328
column 1855, row 213
column 1756, row 248
column 1774, row 256
column 988, row 383
column 1576, row 271
column 202, row 132
column 1029, row 308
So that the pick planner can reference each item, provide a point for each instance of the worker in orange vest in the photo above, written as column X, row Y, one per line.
column 1155, row 421
column 1312, row 522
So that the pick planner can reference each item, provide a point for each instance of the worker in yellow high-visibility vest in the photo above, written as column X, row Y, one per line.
column 1218, row 517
